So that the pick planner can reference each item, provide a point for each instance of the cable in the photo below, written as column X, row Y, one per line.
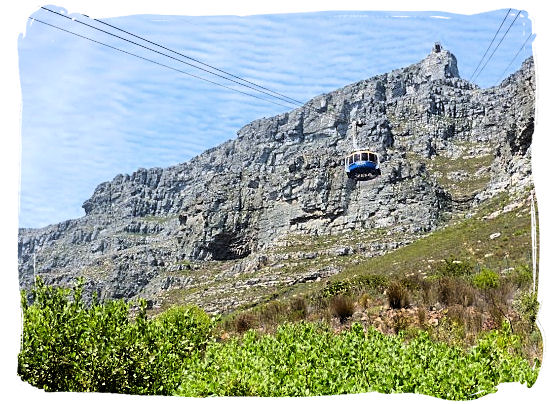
column 190, row 58
column 157, row 63
column 515, row 56
column 489, row 47
column 171, row 57
column 501, row 39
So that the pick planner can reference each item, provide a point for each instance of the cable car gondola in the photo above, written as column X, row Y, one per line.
column 361, row 164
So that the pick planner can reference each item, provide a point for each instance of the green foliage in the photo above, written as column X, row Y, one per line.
column 522, row 276
column 486, row 279
column 455, row 268
column 69, row 346
column 308, row 359
column 529, row 307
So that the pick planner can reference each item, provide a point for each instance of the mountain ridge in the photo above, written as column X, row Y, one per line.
column 446, row 146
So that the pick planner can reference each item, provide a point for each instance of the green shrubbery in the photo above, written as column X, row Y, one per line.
column 68, row 346
column 486, row 279
column 455, row 268
column 308, row 359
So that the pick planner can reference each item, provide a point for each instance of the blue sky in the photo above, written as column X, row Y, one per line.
column 90, row 113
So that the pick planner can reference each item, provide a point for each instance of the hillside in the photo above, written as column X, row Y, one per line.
column 272, row 209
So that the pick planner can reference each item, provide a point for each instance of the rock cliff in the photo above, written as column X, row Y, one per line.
column 445, row 145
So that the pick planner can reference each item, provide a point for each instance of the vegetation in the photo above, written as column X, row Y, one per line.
column 452, row 314
column 68, row 346
column 307, row 359
column 114, row 347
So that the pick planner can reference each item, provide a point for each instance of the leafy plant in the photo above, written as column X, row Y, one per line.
column 486, row 279
column 307, row 359
column 70, row 346
column 456, row 268
column 522, row 276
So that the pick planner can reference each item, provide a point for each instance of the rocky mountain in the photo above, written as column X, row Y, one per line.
column 446, row 146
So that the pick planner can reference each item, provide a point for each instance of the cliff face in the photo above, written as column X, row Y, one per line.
column 445, row 144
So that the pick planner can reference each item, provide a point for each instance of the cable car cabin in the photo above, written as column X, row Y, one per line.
column 362, row 165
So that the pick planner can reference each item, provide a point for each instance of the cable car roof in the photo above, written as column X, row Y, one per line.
column 361, row 151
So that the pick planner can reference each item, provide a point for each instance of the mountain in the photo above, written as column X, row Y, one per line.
column 203, row 228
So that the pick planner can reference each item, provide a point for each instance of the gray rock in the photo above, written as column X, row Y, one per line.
column 284, row 175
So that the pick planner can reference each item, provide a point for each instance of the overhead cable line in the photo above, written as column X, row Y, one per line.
column 172, row 57
column 515, row 56
column 304, row 105
column 190, row 58
column 489, row 47
column 501, row 39
column 155, row 62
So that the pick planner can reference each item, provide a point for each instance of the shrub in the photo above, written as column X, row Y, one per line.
column 70, row 346
column 421, row 314
column 272, row 313
column 456, row 268
column 308, row 360
column 455, row 291
column 398, row 295
column 244, row 322
column 400, row 322
column 486, row 279
column 429, row 292
column 364, row 300
column 522, row 276
column 298, row 308
column 529, row 307
column 341, row 307
column 414, row 282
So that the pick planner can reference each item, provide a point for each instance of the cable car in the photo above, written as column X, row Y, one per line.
column 362, row 165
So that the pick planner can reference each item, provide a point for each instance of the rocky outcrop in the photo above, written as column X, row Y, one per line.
column 284, row 175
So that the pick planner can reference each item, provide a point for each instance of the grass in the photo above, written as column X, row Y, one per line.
column 447, row 268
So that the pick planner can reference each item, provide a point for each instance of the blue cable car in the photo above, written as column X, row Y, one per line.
column 362, row 165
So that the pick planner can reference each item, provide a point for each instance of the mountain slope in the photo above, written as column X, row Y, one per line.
column 446, row 146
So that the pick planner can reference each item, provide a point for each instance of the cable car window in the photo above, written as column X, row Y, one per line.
column 372, row 157
column 356, row 156
column 364, row 157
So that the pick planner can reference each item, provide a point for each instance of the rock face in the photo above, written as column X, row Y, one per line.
column 437, row 134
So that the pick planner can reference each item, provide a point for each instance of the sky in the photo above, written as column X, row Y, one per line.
column 90, row 112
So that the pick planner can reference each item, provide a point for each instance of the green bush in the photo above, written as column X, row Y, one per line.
column 70, row 346
column 308, row 359
column 486, row 279
column 522, row 276
column 529, row 307
column 455, row 268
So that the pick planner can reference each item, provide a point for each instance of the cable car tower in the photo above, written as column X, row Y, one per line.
column 361, row 164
